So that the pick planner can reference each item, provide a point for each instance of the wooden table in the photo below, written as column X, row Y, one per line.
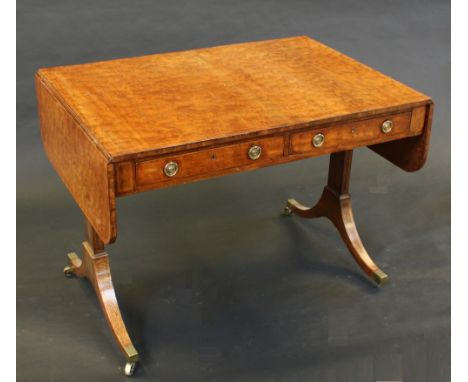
column 124, row 126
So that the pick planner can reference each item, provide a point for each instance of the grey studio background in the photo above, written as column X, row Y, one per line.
column 213, row 283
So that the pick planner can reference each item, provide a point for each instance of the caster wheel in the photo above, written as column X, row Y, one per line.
column 287, row 211
column 68, row 271
column 129, row 368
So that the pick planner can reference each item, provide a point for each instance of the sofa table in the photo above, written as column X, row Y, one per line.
column 124, row 126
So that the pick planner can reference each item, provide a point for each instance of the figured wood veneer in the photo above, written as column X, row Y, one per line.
column 181, row 100
column 210, row 162
column 83, row 168
column 109, row 127
column 335, row 204
column 410, row 154
column 348, row 135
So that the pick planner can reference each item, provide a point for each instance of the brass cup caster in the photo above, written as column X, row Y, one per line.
column 129, row 368
column 68, row 271
column 287, row 211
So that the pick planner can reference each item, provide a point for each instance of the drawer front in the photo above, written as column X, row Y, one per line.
column 348, row 135
column 209, row 162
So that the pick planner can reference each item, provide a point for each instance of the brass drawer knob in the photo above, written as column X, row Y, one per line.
column 387, row 126
column 318, row 140
column 255, row 152
column 171, row 168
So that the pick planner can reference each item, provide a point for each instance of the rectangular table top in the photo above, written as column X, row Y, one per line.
column 155, row 103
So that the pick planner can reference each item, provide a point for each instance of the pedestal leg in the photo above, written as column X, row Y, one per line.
column 95, row 267
column 335, row 204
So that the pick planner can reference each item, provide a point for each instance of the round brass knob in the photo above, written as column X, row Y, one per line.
column 318, row 140
column 171, row 168
column 387, row 126
column 255, row 152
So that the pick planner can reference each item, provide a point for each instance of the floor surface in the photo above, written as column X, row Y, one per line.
column 214, row 284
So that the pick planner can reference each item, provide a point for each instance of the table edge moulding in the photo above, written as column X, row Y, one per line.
column 120, row 127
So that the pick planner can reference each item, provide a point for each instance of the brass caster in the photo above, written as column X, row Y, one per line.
column 287, row 211
column 129, row 368
column 380, row 278
column 68, row 271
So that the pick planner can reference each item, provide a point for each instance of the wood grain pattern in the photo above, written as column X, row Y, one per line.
column 95, row 267
column 410, row 154
column 81, row 165
column 346, row 136
column 199, row 164
column 209, row 162
column 170, row 102
column 109, row 128
column 418, row 120
column 124, row 177
column 335, row 204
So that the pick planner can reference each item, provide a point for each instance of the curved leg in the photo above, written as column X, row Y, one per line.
column 95, row 267
column 335, row 204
